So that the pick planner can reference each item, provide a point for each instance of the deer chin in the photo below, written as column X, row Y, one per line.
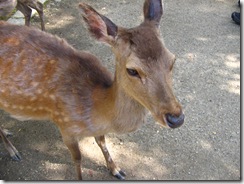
column 162, row 120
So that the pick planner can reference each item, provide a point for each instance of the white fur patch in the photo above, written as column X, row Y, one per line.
column 21, row 118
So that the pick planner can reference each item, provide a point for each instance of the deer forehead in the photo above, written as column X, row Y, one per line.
column 150, row 64
column 144, row 65
column 145, row 41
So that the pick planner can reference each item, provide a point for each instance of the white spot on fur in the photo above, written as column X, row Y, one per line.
column 109, row 159
column 6, row 105
column 33, row 98
column 66, row 119
column 34, row 84
column 40, row 108
column 56, row 113
column 34, row 109
column 52, row 97
column 21, row 107
column 19, row 92
column 52, row 61
column 39, row 91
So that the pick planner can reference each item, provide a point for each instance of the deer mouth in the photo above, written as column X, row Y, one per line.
column 174, row 121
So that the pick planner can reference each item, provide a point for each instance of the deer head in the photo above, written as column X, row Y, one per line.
column 143, row 64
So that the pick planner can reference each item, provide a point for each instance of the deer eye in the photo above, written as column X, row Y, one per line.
column 132, row 72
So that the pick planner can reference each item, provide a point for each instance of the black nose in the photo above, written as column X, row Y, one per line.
column 175, row 121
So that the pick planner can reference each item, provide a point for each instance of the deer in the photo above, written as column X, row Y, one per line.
column 24, row 6
column 42, row 77
column 6, row 7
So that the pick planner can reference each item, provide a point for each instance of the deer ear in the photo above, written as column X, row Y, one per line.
column 153, row 11
column 99, row 26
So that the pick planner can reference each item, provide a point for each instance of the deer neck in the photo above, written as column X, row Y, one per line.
column 120, row 112
column 129, row 114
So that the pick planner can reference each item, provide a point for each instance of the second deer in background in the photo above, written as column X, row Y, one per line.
column 24, row 6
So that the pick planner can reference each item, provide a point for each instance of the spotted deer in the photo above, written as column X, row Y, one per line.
column 24, row 6
column 44, row 78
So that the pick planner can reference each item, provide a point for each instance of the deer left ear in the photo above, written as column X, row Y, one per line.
column 153, row 11
column 100, row 27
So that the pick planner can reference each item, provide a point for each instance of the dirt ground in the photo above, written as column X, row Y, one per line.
column 206, row 82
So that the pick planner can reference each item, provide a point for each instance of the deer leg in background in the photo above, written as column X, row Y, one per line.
column 117, row 172
column 26, row 12
column 39, row 8
column 9, row 146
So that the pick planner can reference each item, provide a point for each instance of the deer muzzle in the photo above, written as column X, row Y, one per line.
column 174, row 121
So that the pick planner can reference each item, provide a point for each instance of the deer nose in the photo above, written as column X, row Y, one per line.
column 174, row 121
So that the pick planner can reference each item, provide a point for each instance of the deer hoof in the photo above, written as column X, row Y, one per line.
column 120, row 175
column 7, row 133
column 16, row 156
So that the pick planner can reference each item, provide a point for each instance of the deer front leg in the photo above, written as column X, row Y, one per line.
column 9, row 146
column 38, row 6
column 23, row 8
column 116, row 171
column 40, row 12
column 73, row 147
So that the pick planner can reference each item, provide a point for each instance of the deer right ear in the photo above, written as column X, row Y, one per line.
column 102, row 28
column 153, row 11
